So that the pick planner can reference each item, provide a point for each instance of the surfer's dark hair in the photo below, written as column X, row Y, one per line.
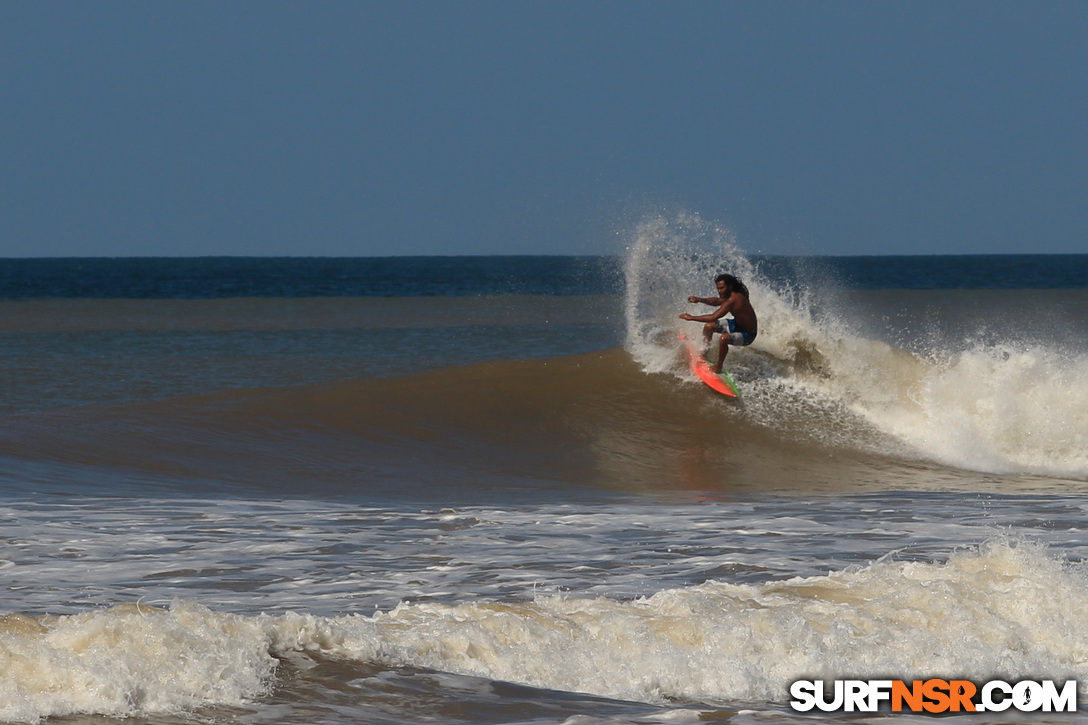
column 732, row 283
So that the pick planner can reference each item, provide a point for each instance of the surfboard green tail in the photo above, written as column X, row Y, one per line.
column 728, row 380
column 721, row 382
column 725, row 376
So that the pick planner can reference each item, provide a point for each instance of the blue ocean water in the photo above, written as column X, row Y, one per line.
column 211, row 277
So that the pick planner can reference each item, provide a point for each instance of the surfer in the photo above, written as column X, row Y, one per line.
column 732, row 299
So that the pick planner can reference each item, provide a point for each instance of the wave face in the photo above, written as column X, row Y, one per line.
column 943, row 377
column 592, row 422
column 842, row 390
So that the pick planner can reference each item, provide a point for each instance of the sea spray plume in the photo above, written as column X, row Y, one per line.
column 672, row 257
column 668, row 259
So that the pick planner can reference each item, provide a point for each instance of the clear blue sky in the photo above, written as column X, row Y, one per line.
column 401, row 127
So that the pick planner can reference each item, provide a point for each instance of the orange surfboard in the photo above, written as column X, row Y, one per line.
column 720, row 382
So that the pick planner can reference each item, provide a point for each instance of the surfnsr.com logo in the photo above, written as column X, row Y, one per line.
column 934, row 696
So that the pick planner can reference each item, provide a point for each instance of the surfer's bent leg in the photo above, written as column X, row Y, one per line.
column 723, row 350
column 708, row 332
column 729, row 336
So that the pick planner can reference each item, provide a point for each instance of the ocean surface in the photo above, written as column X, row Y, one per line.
column 488, row 490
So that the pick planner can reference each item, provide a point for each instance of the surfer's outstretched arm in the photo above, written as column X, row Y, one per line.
column 710, row 327
column 711, row 317
column 714, row 301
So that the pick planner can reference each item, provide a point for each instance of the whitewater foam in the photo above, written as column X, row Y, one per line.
column 1007, row 609
column 131, row 660
column 1004, row 610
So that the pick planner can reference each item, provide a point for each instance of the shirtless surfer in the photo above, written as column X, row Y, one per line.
column 732, row 299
